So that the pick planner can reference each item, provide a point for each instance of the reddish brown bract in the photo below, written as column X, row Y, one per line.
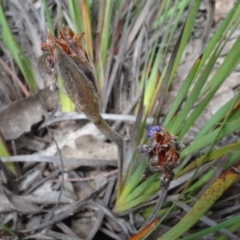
column 162, row 153
column 68, row 41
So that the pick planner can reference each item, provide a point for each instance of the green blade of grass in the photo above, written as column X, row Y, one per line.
column 235, row 156
column 181, row 5
column 105, row 32
column 196, row 186
column 75, row 13
column 132, row 183
column 232, row 228
column 209, row 138
column 176, row 123
column 152, row 189
column 216, row 118
column 147, row 211
column 155, row 81
column 66, row 104
column 48, row 17
column 17, row 53
column 182, row 92
column 215, row 154
column 10, row 166
column 87, row 28
column 223, row 182
column 138, row 190
column 185, row 35
column 229, row 63
column 220, row 34
column 8, row 230
column 223, row 225
column 233, row 24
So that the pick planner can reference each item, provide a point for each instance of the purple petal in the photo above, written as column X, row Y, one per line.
column 152, row 130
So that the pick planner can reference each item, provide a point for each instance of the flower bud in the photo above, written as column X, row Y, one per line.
column 72, row 64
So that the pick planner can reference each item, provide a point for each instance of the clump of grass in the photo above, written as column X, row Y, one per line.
column 136, row 37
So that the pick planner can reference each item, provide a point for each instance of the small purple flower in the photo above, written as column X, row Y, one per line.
column 152, row 130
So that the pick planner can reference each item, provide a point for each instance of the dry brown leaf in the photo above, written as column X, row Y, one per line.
column 82, row 227
column 88, row 146
column 222, row 8
column 46, row 195
column 5, row 205
column 18, row 203
column 18, row 117
column 75, row 144
column 26, row 181
column 191, row 53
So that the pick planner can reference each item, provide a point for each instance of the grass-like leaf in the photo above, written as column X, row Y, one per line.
column 22, row 61
column 215, row 154
column 5, row 153
column 223, row 182
column 65, row 102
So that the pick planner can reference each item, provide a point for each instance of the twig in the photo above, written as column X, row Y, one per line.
column 18, row 81
column 60, row 236
column 88, row 178
column 60, row 158
column 72, row 162
column 111, row 117
column 101, row 214
column 62, row 177
column 74, row 208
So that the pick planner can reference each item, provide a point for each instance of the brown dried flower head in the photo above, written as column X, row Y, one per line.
column 69, row 42
column 162, row 152
column 69, row 60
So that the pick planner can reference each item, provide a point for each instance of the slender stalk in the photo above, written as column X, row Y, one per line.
column 161, row 197
column 80, row 87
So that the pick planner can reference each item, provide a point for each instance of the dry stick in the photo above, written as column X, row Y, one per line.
column 69, row 211
column 211, row 5
column 79, row 82
column 61, row 236
column 88, row 178
column 100, row 217
column 67, row 230
column 62, row 177
column 51, row 213
column 15, row 78
column 68, row 162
